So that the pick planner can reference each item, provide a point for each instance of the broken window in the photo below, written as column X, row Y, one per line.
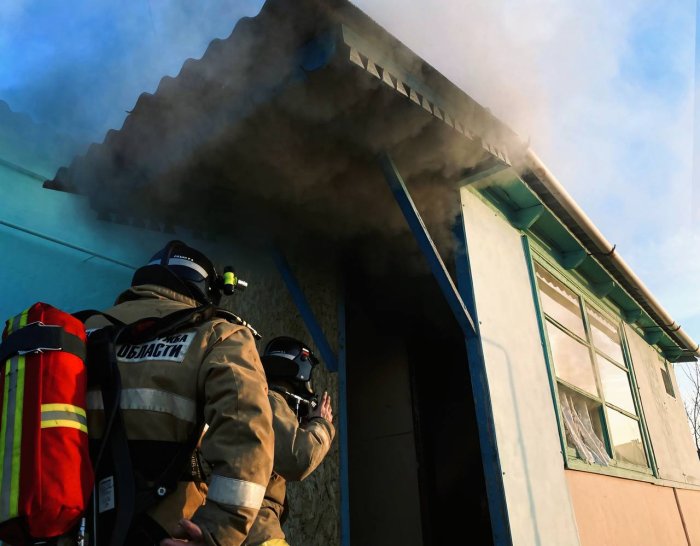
column 594, row 383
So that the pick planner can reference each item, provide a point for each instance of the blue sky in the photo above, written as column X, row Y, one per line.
column 604, row 92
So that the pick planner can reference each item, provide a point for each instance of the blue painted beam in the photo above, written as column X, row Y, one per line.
column 493, row 473
column 343, row 427
column 477, row 368
column 420, row 232
column 307, row 314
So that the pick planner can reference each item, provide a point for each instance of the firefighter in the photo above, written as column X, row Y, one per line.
column 303, row 432
column 209, row 372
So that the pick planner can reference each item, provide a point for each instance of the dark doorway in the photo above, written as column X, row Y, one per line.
column 415, row 468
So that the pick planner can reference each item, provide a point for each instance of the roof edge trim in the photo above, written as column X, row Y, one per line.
column 603, row 246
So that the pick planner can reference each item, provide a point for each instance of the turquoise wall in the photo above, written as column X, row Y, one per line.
column 55, row 250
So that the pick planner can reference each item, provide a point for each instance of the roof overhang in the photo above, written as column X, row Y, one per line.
column 280, row 125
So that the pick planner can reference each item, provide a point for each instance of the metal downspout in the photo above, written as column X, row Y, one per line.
column 604, row 246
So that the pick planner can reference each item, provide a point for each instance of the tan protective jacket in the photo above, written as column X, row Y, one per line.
column 299, row 449
column 217, row 364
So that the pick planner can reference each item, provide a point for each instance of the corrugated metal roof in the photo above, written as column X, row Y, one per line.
column 315, row 78
column 279, row 125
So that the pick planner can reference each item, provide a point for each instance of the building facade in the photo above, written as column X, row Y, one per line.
column 493, row 360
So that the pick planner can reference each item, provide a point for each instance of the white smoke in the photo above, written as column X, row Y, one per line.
column 604, row 91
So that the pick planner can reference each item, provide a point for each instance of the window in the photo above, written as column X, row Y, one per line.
column 596, row 399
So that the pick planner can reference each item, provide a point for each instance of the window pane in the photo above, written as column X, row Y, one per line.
column 560, row 303
column 572, row 360
column 616, row 385
column 605, row 335
column 582, row 423
column 626, row 438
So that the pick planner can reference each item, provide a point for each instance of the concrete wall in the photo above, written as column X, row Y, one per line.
column 539, row 506
column 620, row 512
column 55, row 250
column 676, row 456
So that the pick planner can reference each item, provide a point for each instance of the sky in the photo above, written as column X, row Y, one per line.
column 603, row 91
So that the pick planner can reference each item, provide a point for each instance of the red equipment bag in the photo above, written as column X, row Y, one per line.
column 45, row 472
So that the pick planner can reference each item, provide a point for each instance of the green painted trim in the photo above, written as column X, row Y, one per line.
column 628, row 474
column 646, row 437
column 603, row 289
column 570, row 263
column 671, row 353
column 616, row 471
column 580, row 391
column 607, row 436
column 631, row 316
column 524, row 218
column 574, row 279
column 545, row 346
column 587, row 299
column 573, row 258
column 653, row 335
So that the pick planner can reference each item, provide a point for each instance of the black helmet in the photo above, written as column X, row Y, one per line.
column 290, row 360
column 183, row 269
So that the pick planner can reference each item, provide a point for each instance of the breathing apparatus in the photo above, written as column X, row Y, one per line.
column 289, row 365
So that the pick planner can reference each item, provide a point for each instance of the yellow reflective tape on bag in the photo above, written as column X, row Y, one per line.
column 53, row 423
column 63, row 415
column 70, row 408
column 11, row 436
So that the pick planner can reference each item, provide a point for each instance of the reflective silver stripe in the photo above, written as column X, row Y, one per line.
column 185, row 263
column 233, row 492
column 9, row 439
column 63, row 416
column 150, row 400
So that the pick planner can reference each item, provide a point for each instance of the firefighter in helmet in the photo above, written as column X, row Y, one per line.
column 206, row 371
column 303, row 432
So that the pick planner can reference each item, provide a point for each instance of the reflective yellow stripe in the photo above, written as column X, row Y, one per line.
column 17, row 443
column 63, row 407
column 3, row 433
column 53, row 423
column 11, row 428
column 275, row 542
column 63, row 415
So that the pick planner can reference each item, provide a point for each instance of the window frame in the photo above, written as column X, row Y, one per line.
column 536, row 255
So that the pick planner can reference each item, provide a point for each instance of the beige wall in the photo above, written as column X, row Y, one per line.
column 665, row 416
column 689, row 504
column 537, row 495
column 620, row 512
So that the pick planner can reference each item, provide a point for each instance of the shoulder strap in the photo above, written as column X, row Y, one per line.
column 41, row 337
column 103, row 363
column 84, row 315
column 150, row 328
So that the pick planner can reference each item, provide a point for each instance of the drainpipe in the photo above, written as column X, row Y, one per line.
column 603, row 246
